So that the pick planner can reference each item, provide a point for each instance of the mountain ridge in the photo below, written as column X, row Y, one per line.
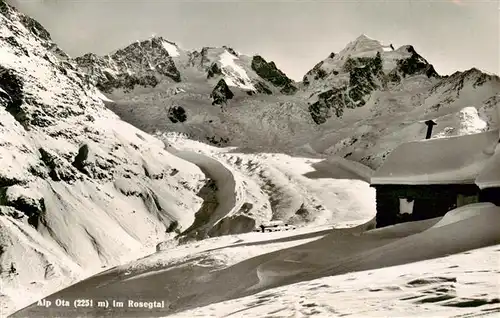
column 364, row 82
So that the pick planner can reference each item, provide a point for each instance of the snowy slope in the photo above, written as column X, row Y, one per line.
column 347, row 261
column 453, row 285
column 79, row 188
column 457, row 285
column 296, row 190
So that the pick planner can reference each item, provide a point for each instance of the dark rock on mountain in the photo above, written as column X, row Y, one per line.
column 262, row 88
column 363, row 76
column 127, row 82
column 218, row 141
column 81, row 157
column 29, row 23
column 305, row 80
column 33, row 208
column 221, row 93
column 230, row 50
column 288, row 89
column 272, row 74
column 12, row 96
column 317, row 72
column 328, row 101
column 35, row 27
column 455, row 82
column 58, row 169
column 214, row 70
column 413, row 65
column 177, row 114
column 13, row 42
column 143, row 63
column 202, row 56
column 168, row 68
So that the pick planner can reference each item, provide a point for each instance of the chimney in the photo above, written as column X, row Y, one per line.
column 430, row 124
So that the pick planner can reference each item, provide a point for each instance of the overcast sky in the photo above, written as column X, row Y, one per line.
column 451, row 34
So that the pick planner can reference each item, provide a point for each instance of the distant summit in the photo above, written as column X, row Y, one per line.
column 258, row 104
column 155, row 60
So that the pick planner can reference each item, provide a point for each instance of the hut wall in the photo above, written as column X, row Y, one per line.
column 429, row 201
column 490, row 195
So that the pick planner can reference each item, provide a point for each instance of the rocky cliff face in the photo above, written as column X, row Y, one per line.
column 221, row 93
column 270, row 73
column 148, row 63
column 79, row 188
column 348, row 79
column 143, row 64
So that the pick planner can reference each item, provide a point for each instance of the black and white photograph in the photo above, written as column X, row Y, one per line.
column 249, row 158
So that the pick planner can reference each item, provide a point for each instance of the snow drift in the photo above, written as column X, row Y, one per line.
column 201, row 281
column 457, row 159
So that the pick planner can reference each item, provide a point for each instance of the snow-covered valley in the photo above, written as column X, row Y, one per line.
column 146, row 174
column 363, row 273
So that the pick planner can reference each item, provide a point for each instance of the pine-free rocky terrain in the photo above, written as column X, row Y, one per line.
column 141, row 175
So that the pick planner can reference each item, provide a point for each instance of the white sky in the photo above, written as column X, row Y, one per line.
column 451, row 34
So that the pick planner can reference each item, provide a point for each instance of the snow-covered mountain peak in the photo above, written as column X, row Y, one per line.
column 154, row 47
column 142, row 63
column 362, row 46
column 363, row 37
column 155, row 60
column 170, row 47
column 32, row 26
column 347, row 79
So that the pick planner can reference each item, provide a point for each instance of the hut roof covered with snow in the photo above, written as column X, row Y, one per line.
column 464, row 159
column 489, row 177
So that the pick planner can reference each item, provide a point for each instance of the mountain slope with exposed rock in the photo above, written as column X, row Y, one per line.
column 359, row 103
column 79, row 188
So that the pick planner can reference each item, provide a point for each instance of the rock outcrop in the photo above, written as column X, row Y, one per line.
column 272, row 74
column 221, row 93
column 143, row 64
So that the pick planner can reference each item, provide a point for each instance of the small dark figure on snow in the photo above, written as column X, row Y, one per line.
column 262, row 228
column 12, row 268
